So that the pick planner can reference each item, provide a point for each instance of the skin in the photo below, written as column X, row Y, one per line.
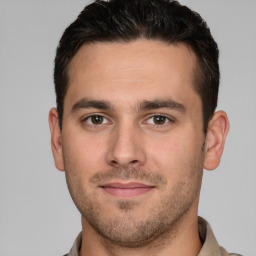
column 112, row 135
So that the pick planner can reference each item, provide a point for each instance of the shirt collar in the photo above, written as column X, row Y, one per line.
column 210, row 244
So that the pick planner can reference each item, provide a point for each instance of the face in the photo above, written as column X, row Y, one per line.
column 132, row 139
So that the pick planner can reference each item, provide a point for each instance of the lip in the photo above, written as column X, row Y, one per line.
column 127, row 190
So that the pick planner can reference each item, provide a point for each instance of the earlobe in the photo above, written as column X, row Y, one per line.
column 215, row 139
column 56, row 143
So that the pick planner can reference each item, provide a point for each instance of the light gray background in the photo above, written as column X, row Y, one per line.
column 37, row 216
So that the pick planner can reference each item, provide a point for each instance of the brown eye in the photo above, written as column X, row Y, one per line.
column 159, row 120
column 96, row 119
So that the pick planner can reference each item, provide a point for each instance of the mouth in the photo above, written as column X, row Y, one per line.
column 126, row 190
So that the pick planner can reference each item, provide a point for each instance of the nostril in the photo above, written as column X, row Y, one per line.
column 114, row 162
column 117, row 163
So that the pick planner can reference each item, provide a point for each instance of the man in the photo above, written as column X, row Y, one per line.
column 137, row 85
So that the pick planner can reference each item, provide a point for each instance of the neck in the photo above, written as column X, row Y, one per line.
column 182, row 241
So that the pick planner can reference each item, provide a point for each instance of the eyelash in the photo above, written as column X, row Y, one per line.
column 167, row 120
column 95, row 115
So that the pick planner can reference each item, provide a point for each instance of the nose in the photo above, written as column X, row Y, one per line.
column 126, row 148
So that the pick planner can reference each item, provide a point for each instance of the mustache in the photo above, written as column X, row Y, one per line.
column 127, row 174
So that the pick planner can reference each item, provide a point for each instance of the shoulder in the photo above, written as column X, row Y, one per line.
column 225, row 253
column 210, row 244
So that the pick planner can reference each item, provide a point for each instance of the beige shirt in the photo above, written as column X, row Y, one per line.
column 210, row 244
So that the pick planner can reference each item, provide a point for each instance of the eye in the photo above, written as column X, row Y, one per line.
column 158, row 120
column 96, row 120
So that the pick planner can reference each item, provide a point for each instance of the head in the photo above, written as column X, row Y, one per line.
column 136, row 84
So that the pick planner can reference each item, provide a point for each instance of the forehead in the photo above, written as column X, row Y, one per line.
column 142, row 66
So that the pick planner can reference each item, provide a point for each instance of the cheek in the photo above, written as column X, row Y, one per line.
column 174, row 154
column 83, row 154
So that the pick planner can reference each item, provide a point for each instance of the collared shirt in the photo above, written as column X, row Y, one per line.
column 210, row 244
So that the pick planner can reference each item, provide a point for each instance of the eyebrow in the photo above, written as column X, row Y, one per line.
column 143, row 106
column 86, row 103
column 159, row 103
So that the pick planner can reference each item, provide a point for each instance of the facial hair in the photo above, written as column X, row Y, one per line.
column 125, row 229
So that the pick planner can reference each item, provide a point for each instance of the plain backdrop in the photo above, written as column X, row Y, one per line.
column 37, row 215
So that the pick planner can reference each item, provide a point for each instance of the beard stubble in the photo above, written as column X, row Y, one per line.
column 125, row 230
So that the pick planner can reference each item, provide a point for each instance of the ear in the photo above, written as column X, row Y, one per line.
column 215, row 139
column 56, row 142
